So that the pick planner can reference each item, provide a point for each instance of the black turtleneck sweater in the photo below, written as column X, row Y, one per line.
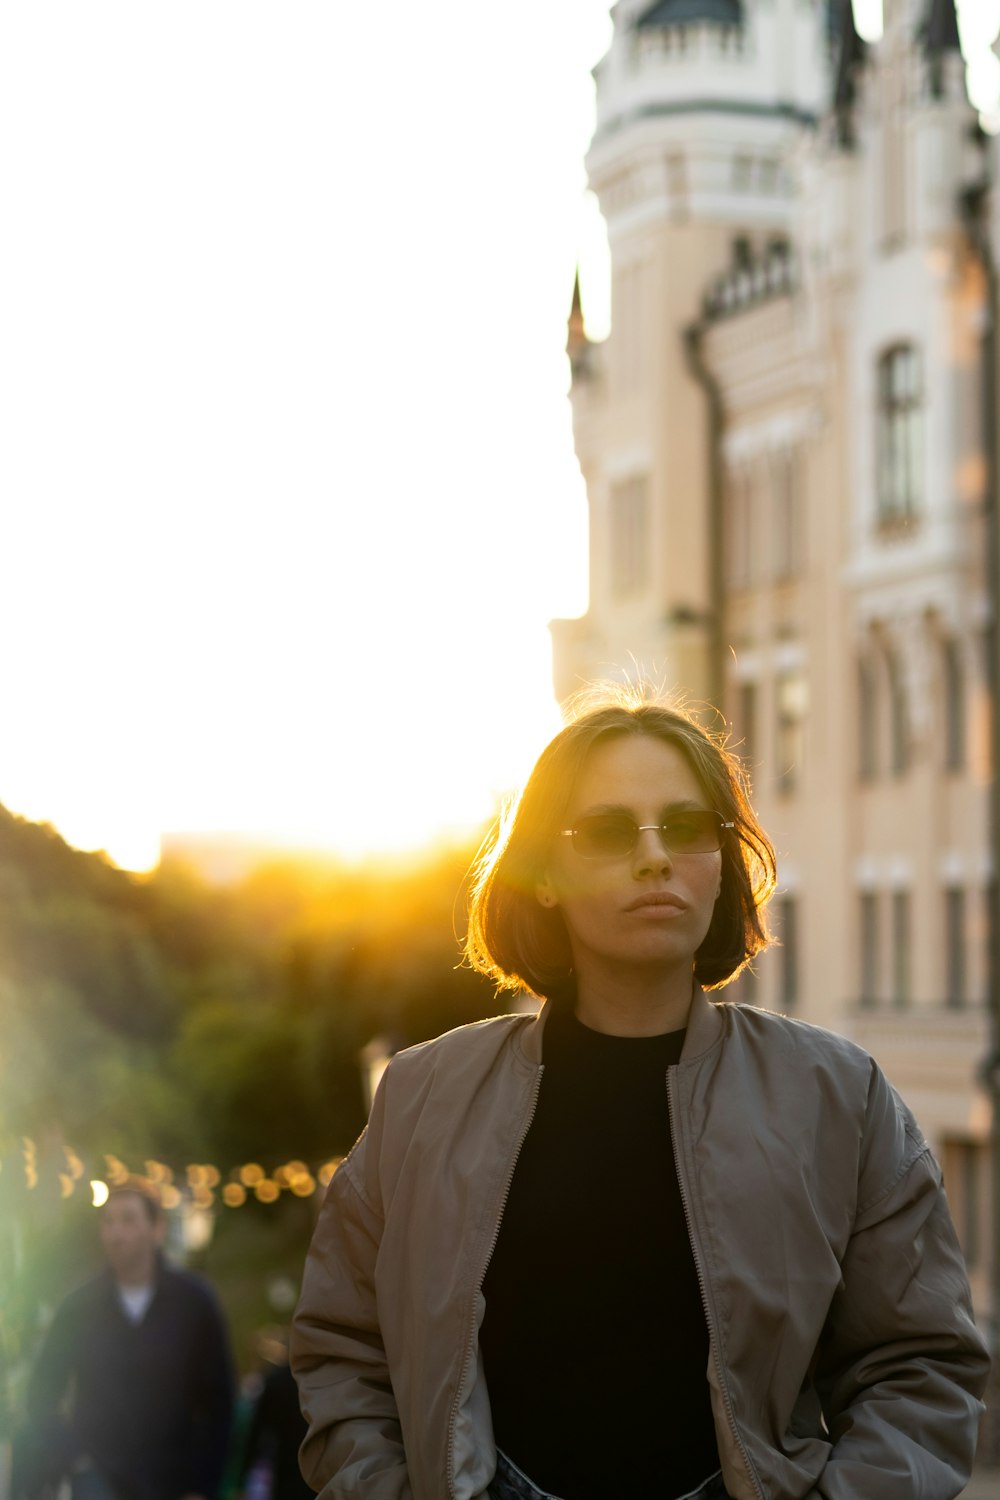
column 594, row 1339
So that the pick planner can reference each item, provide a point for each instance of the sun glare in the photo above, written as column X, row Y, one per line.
column 290, row 457
column 288, row 568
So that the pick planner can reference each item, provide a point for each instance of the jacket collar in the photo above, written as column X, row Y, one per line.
column 704, row 1027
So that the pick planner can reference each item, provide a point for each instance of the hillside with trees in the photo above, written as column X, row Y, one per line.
column 162, row 1020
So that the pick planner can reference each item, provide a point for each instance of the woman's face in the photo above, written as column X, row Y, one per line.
column 648, row 908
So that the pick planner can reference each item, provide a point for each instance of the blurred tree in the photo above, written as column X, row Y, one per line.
column 159, row 1017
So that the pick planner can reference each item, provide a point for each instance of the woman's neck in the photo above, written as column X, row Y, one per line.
column 634, row 1005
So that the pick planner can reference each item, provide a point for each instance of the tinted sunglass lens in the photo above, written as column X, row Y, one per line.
column 611, row 835
column 605, row 836
column 691, row 831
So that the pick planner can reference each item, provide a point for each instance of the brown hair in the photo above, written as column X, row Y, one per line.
column 138, row 1187
column 519, row 943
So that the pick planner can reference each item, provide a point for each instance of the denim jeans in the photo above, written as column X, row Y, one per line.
column 510, row 1484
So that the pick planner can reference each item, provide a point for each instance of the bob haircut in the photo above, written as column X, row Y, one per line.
column 521, row 944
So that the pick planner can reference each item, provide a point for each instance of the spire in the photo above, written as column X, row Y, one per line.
column 690, row 12
column 940, row 35
column 850, row 52
column 577, row 342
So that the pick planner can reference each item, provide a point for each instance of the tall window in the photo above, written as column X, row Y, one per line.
column 867, row 719
column 954, row 706
column 792, row 701
column 869, row 947
column 788, row 953
column 901, row 947
column 629, row 536
column 787, row 514
column 899, row 442
column 956, row 979
column 738, row 539
column 748, row 722
column 749, row 986
column 966, row 1167
column 899, row 745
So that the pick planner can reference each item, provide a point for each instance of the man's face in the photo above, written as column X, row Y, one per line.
column 130, row 1236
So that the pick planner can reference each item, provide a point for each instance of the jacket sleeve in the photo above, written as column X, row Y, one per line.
column 354, row 1444
column 901, row 1366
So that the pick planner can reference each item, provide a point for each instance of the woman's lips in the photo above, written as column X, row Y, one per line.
column 657, row 901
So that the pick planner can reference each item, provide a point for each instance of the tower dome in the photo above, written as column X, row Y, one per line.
column 692, row 13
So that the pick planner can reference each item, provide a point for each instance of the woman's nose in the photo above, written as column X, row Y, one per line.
column 651, row 853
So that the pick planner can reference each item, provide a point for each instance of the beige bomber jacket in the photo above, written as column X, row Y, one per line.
column 844, row 1360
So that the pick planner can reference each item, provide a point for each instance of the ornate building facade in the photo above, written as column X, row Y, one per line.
column 786, row 462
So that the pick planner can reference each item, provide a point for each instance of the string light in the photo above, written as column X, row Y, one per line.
column 203, row 1181
column 116, row 1171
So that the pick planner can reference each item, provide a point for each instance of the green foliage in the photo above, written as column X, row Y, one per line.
column 164, row 1019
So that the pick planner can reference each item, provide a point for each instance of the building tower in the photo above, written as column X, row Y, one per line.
column 701, row 107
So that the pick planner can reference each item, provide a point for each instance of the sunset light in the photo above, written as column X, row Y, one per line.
column 291, row 482
column 289, row 469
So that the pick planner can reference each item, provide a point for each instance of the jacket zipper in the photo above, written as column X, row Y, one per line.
column 470, row 1346
column 702, row 1287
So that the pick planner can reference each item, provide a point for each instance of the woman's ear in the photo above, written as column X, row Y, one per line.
column 545, row 892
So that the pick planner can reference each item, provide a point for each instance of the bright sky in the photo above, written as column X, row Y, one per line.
column 288, row 479
column 289, row 490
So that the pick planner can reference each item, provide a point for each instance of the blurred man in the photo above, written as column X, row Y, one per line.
column 270, row 1463
column 132, row 1394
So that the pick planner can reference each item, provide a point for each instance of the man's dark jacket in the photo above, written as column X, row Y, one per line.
column 149, row 1403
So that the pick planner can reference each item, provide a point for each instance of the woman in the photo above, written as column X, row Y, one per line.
column 642, row 1244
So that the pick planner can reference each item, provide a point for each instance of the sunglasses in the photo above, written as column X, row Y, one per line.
column 612, row 835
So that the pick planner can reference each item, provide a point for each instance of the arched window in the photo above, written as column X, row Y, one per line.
column 953, row 696
column 791, row 703
column 738, row 534
column 956, row 975
column 630, row 549
column 787, row 912
column 869, row 947
column 901, row 942
column 867, row 719
column 746, row 725
column 899, row 747
column 899, row 437
column 787, row 513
